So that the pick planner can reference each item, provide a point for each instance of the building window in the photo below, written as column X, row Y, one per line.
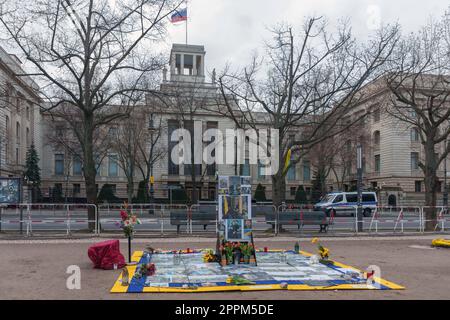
column 211, row 168
column 418, row 186
column 376, row 115
column 245, row 168
column 376, row 138
column 291, row 173
column 17, row 132
column 293, row 191
column 261, row 170
column 113, row 169
column 76, row 188
column 414, row 135
column 17, row 155
column 188, row 65
column 27, row 137
column 178, row 63
column 306, row 170
column 348, row 146
column 189, row 126
column 77, row 167
column 377, row 163
column 7, row 125
column 414, row 160
column 439, row 186
column 59, row 164
column 173, row 169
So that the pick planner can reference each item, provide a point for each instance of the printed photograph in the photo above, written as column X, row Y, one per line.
column 234, row 230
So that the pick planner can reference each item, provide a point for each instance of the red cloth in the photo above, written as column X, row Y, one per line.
column 105, row 254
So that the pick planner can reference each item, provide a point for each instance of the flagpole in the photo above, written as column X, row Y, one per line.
column 187, row 14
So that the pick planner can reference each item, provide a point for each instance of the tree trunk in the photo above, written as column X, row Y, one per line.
column 430, row 187
column 130, row 189
column 90, row 170
column 278, row 189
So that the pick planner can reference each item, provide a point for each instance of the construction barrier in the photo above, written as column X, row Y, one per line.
column 396, row 219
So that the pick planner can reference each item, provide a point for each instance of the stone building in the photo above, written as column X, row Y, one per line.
column 391, row 153
column 19, row 115
column 192, row 104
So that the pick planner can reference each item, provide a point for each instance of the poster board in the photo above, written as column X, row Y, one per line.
column 235, row 208
column 9, row 190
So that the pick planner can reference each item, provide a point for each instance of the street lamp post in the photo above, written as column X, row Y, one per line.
column 151, row 129
column 359, row 188
column 445, row 195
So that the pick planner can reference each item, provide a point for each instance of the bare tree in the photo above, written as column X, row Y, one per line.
column 420, row 99
column 87, row 55
column 135, row 140
column 336, row 156
column 151, row 149
column 305, row 84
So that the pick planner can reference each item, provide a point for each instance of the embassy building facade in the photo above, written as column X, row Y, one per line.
column 194, row 103
column 391, row 153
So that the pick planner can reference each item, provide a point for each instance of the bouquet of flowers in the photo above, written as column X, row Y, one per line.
column 323, row 251
column 209, row 256
column 247, row 249
column 146, row 269
column 238, row 280
column 228, row 248
column 128, row 222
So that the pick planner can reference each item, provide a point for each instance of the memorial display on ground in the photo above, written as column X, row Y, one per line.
column 235, row 264
column 183, row 271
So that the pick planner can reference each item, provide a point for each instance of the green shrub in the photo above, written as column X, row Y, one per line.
column 300, row 195
column 106, row 194
column 260, row 193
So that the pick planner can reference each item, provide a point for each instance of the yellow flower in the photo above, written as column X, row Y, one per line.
column 314, row 240
column 229, row 279
column 324, row 252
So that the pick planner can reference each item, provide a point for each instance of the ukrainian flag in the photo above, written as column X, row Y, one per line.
column 287, row 161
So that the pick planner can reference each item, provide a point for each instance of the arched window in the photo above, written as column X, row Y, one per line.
column 376, row 138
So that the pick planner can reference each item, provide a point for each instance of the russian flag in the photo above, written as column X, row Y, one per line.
column 178, row 16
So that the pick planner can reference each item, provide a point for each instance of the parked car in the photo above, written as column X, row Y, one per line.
column 344, row 203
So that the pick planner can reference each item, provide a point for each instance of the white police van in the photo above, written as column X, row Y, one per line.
column 343, row 203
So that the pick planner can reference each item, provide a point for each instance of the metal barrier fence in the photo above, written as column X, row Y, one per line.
column 159, row 218
column 48, row 217
column 166, row 219
column 442, row 218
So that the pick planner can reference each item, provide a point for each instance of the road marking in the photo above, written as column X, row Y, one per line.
column 422, row 247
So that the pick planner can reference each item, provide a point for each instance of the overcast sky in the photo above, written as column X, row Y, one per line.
column 231, row 29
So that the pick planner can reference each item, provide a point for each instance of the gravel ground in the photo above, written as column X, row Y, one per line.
column 36, row 269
